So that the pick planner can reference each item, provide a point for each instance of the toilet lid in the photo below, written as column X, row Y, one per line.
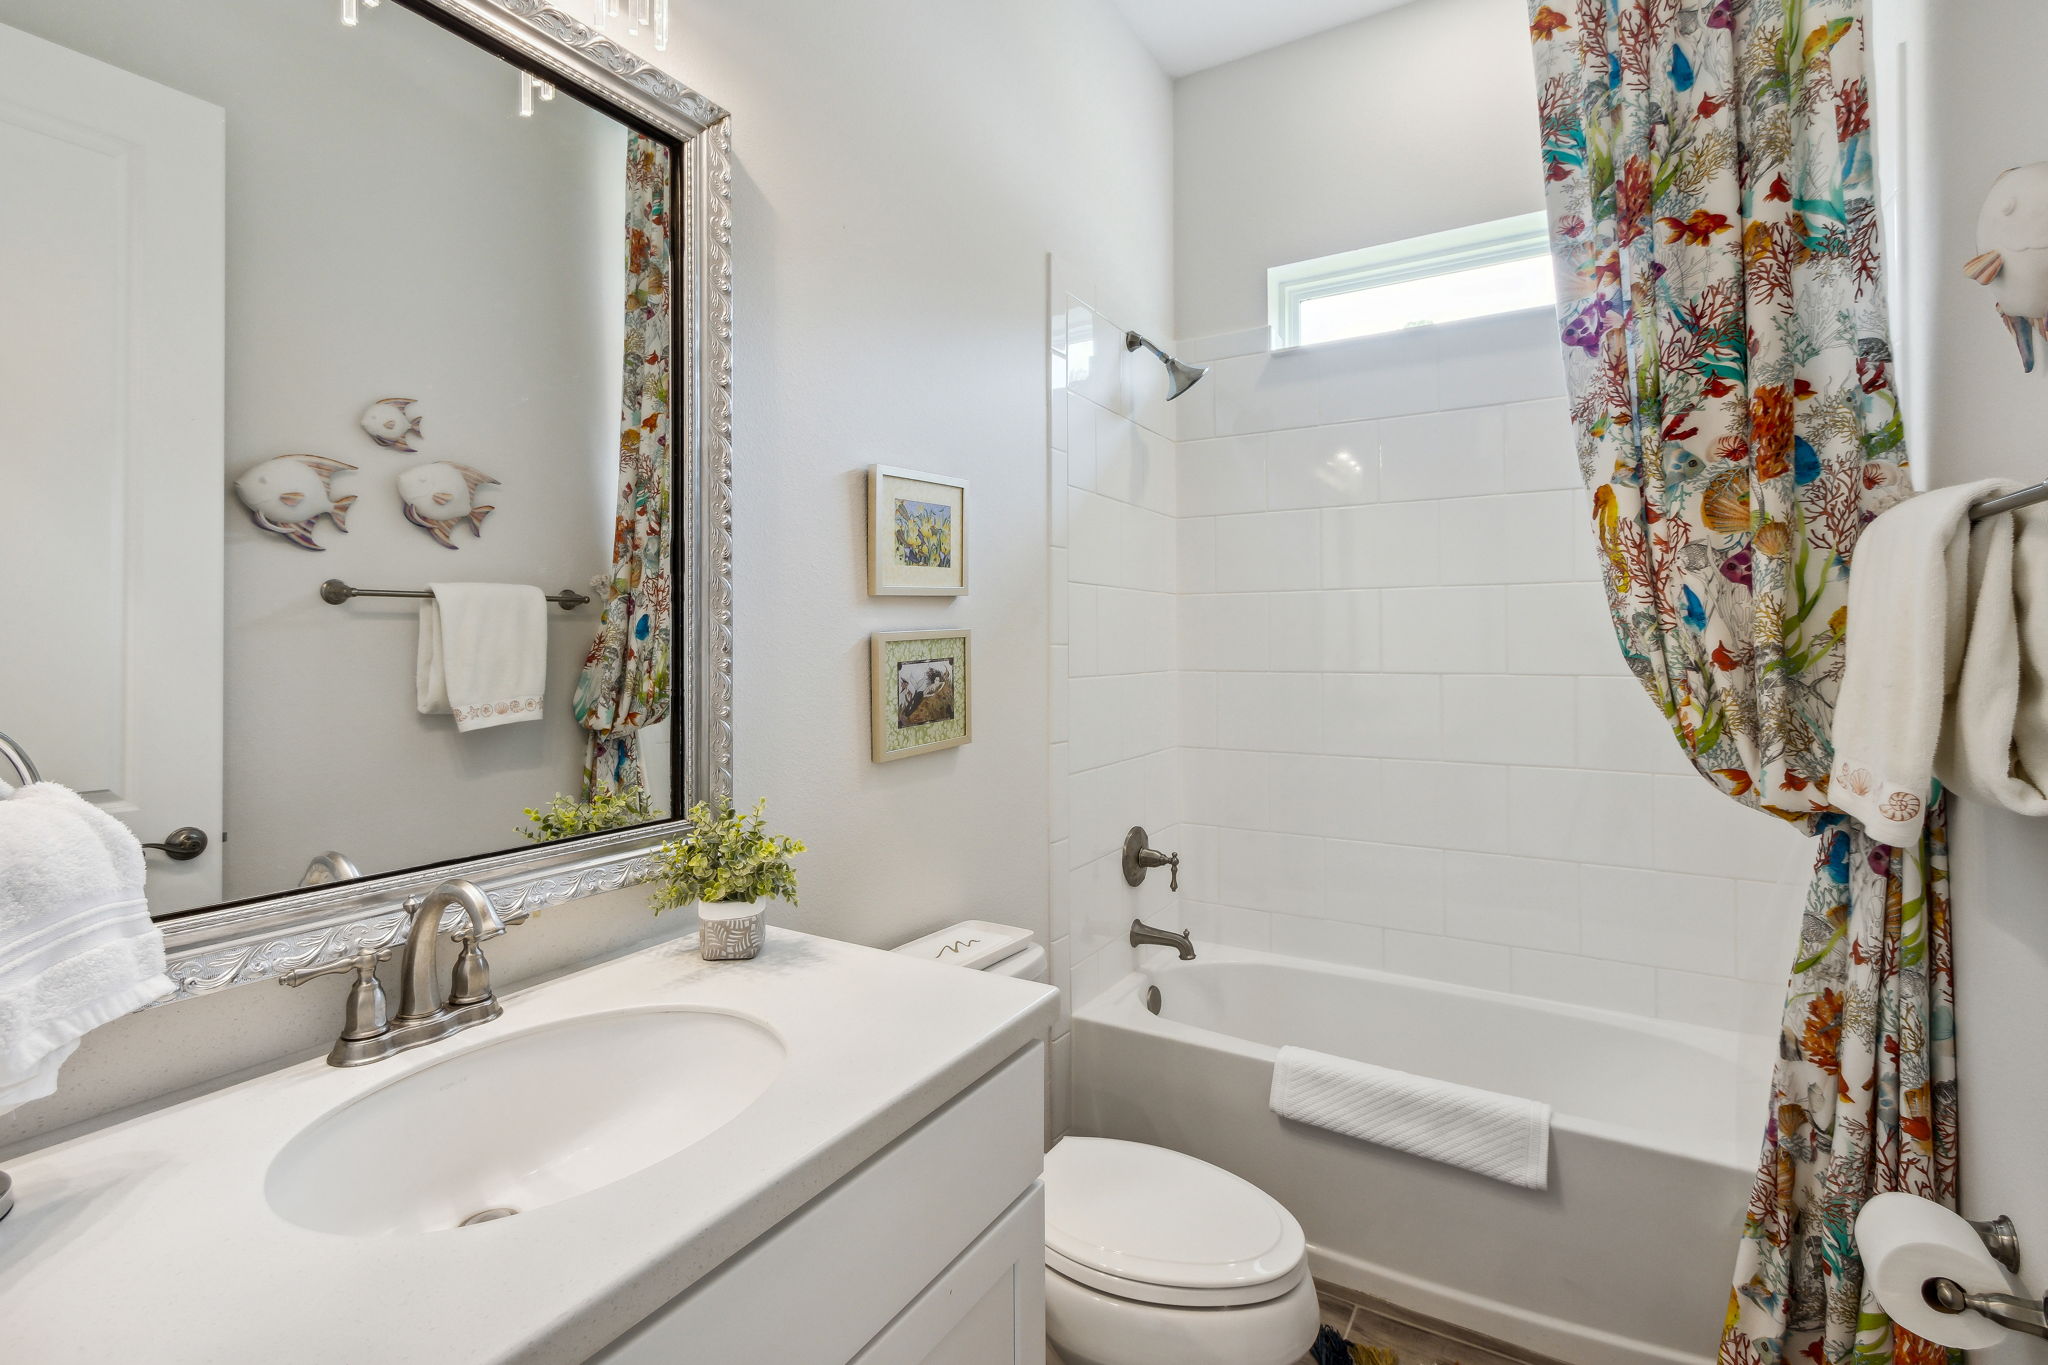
column 1147, row 1223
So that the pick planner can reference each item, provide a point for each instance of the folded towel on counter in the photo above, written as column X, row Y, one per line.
column 483, row 653
column 77, row 948
column 1943, row 676
column 1477, row 1130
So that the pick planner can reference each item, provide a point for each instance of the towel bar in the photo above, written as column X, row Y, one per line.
column 18, row 759
column 2011, row 502
column 334, row 592
column 24, row 768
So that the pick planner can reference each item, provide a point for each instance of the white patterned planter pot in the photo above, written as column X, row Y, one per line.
column 730, row 931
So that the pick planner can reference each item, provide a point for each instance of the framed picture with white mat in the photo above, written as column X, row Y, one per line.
column 917, row 534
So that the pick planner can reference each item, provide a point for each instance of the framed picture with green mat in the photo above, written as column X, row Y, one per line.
column 922, row 687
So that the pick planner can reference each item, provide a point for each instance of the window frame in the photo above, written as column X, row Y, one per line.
column 1499, row 242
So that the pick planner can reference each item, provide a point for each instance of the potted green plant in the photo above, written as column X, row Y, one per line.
column 723, row 866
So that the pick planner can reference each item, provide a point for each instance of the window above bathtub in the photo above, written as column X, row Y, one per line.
column 1468, row 272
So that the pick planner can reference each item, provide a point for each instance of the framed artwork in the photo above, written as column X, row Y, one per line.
column 917, row 534
column 923, row 687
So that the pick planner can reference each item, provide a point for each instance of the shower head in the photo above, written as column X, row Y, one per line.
column 1179, row 378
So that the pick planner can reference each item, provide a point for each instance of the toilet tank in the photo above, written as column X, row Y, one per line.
column 983, row 946
column 1004, row 950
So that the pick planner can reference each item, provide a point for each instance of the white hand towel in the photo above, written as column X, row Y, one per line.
column 1943, row 670
column 1481, row 1131
column 77, row 948
column 483, row 653
column 1994, row 738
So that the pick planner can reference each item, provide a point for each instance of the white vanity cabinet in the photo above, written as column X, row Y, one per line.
column 929, row 1253
column 872, row 1196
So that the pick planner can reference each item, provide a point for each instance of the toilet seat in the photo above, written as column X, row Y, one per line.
column 1161, row 1227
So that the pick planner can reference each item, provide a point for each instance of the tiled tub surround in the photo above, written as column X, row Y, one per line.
column 1408, row 739
column 1113, row 584
column 1343, row 646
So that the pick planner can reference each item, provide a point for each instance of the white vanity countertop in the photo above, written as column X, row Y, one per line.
column 152, row 1241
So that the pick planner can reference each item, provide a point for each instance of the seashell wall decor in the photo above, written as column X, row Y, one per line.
column 287, row 494
column 394, row 423
column 441, row 495
column 2012, row 259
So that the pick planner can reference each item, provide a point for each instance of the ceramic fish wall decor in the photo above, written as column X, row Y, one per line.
column 394, row 423
column 286, row 495
column 2012, row 259
column 441, row 495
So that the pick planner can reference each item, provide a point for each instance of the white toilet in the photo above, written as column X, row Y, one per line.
column 1151, row 1256
column 1155, row 1258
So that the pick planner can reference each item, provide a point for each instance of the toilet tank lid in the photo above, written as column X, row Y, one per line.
column 970, row 943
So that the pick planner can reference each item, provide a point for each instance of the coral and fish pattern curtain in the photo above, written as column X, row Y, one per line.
column 624, row 686
column 1715, row 227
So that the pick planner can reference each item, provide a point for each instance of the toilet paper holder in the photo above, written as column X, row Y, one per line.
column 2007, row 1310
column 2002, row 1240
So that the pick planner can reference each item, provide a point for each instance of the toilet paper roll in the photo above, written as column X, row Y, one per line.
column 1905, row 1241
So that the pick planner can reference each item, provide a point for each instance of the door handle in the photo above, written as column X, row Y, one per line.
column 183, row 843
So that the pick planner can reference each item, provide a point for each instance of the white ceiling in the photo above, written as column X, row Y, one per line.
column 1193, row 35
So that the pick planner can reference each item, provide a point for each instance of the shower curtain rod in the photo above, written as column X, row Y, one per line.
column 2011, row 502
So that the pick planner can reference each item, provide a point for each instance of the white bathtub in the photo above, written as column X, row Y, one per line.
column 1624, row 1260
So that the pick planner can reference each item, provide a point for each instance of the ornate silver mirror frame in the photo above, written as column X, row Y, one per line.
column 229, row 946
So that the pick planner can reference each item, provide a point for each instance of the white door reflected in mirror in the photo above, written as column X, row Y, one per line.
column 111, row 426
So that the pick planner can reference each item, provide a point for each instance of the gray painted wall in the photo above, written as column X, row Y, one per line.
column 903, row 171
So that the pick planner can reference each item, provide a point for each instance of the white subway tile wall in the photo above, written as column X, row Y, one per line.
column 1480, row 793
column 1116, row 539
column 1345, row 647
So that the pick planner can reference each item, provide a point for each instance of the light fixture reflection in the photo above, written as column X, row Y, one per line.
column 530, row 86
column 639, row 14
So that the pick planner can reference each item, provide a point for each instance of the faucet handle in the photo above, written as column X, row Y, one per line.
column 363, row 964
column 365, row 1015
column 471, row 982
column 1140, row 857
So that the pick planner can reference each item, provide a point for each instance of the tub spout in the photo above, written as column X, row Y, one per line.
column 1143, row 933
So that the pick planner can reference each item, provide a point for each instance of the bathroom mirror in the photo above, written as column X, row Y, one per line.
column 311, row 301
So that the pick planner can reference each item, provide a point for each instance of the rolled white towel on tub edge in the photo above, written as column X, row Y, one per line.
column 1499, row 1136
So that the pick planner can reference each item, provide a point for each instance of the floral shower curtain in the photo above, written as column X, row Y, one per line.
column 1716, row 232
column 624, row 686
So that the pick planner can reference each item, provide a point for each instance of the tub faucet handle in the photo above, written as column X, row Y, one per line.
column 1140, row 857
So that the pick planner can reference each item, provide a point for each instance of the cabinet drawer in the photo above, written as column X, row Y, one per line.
column 987, row 1308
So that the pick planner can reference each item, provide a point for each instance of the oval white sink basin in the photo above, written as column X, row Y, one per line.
column 532, row 1119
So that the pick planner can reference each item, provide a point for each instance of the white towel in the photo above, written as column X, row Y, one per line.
column 1478, row 1130
column 76, row 946
column 1994, row 742
column 483, row 653
column 1943, row 671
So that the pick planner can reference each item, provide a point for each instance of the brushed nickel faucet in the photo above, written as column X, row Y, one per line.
column 424, row 1015
column 1143, row 934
